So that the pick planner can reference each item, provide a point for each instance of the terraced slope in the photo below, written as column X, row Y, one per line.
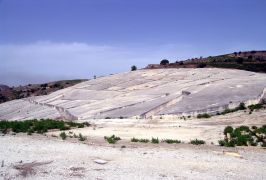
column 144, row 93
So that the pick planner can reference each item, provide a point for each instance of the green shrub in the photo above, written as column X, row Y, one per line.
column 229, row 130
column 243, row 136
column 39, row 126
column 144, row 140
column 222, row 142
column 133, row 68
column 244, row 128
column 255, row 106
column 112, row 139
column 254, row 127
column 30, row 131
column 242, row 140
column 82, row 138
column 171, row 141
column 134, row 140
column 155, row 140
column 205, row 115
column 63, row 135
column 140, row 140
column 240, row 107
column 231, row 143
column 197, row 142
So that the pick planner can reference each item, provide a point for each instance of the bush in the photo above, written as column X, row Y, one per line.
column 134, row 140
column 112, row 139
column 244, row 128
column 255, row 106
column 140, row 140
column 30, row 131
column 82, row 138
column 164, row 62
column 197, row 142
column 172, row 141
column 242, row 106
column 39, row 126
column 243, row 136
column 155, row 140
column 144, row 140
column 222, row 142
column 133, row 68
column 201, row 65
column 63, row 135
column 205, row 115
column 228, row 129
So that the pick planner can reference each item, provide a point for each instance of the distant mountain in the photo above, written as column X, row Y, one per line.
column 10, row 93
column 249, row 60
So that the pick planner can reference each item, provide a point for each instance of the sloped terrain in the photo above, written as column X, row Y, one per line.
column 10, row 93
column 254, row 61
column 144, row 93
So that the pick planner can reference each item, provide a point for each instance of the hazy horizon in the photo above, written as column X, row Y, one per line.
column 47, row 40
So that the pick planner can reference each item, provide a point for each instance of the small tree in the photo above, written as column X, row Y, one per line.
column 134, row 68
column 164, row 62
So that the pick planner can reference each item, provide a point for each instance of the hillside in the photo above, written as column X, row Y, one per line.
column 250, row 60
column 10, row 93
column 144, row 94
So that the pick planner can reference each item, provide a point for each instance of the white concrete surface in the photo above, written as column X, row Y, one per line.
column 144, row 93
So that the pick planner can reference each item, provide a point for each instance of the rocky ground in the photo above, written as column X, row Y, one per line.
column 41, row 157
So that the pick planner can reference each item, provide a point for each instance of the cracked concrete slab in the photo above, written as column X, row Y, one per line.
column 144, row 93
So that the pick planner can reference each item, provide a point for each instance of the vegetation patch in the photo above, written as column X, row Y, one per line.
column 112, row 139
column 244, row 136
column 140, row 140
column 155, row 140
column 205, row 115
column 171, row 141
column 39, row 126
column 82, row 138
column 197, row 142
column 238, row 108
column 63, row 135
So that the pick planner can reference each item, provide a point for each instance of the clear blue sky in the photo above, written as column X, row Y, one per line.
column 44, row 40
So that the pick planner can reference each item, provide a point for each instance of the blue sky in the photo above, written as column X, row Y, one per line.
column 46, row 40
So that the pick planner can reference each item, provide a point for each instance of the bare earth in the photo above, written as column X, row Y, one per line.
column 70, row 160
column 47, row 157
